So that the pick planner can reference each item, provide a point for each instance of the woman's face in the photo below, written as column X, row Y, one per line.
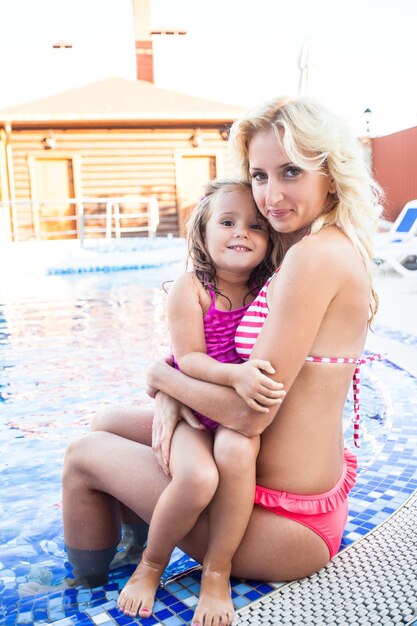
column 289, row 197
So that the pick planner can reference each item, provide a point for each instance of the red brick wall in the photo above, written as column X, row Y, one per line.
column 144, row 60
column 395, row 168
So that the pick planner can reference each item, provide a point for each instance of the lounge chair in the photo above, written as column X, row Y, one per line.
column 397, row 248
column 405, row 226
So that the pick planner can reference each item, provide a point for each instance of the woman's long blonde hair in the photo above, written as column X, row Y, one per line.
column 316, row 140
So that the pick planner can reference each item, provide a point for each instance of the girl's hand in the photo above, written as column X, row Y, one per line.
column 168, row 412
column 258, row 390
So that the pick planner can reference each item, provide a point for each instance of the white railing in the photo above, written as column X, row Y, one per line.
column 109, row 219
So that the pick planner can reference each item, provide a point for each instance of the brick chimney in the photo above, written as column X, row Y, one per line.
column 143, row 40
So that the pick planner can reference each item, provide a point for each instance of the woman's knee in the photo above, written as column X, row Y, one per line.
column 103, row 419
column 76, row 458
column 234, row 450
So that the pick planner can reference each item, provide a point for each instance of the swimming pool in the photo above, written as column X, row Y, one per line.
column 70, row 344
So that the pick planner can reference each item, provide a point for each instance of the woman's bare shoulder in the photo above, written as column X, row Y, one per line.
column 325, row 253
column 320, row 263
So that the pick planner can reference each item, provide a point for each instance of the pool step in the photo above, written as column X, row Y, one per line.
column 373, row 581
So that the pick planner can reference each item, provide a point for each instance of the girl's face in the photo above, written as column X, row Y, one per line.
column 236, row 236
column 289, row 197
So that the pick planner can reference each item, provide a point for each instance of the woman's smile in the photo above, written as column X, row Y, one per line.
column 279, row 213
column 290, row 197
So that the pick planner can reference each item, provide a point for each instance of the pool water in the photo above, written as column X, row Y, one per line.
column 69, row 345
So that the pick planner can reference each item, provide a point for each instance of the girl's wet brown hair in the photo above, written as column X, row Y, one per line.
column 198, row 254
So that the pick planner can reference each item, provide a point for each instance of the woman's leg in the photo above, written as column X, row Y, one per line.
column 101, row 468
column 95, row 479
column 229, row 514
column 273, row 548
column 134, row 423
column 194, row 482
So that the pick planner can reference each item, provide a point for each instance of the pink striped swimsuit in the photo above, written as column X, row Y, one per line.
column 250, row 327
column 219, row 330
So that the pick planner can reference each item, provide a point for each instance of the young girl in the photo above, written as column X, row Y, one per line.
column 230, row 248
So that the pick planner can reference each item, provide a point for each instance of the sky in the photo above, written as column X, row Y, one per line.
column 240, row 52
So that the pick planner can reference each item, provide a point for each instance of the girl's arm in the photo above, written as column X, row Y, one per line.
column 298, row 299
column 187, row 302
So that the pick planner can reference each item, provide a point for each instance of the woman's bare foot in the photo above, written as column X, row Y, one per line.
column 215, row 606
column 138, row 595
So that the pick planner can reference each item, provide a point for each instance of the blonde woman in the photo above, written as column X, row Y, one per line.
column 310, row 180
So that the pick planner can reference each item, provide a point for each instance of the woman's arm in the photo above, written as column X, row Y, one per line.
column 298, row 299
column 221, row 404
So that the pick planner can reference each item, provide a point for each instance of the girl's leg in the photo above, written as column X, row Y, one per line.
column 194, row 482
column 273, row 548
column 229, row 515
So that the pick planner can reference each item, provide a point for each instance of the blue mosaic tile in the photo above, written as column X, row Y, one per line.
column 239, row 602
column 120, row 619
column 149, row 621
column 183, row 593
column 163, row 615
column 187, row 615
column 253, row 595
column 177, row 607
column 241, row 588
column 169, row 600
column 173, row 621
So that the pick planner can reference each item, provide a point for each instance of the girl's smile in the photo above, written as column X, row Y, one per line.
column 236, row 236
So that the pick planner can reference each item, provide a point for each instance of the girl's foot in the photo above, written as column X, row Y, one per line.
column 138, row 595
column 215, row 606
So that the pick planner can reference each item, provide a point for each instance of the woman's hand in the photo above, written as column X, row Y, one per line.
column 168, row 412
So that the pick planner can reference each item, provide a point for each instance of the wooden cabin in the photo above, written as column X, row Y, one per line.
column 112, row 139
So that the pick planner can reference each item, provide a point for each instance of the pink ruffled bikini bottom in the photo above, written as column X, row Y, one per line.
column 325, row 513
